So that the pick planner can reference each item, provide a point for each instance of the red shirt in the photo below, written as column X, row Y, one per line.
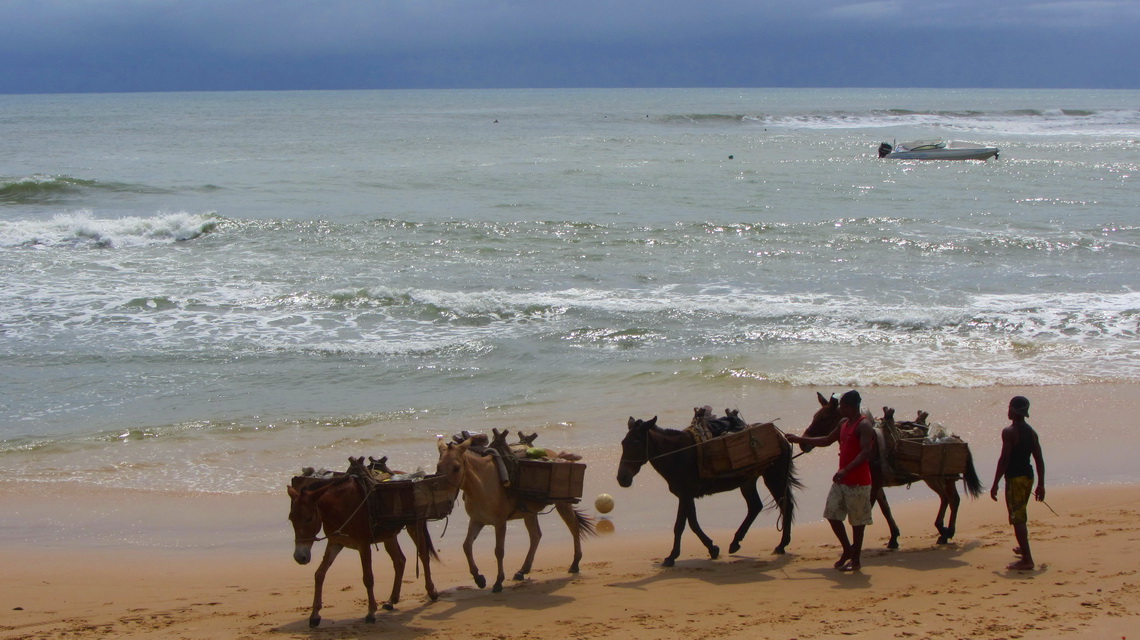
column 849, row 449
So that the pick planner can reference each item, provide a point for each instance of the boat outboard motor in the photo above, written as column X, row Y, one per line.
column 884, row 149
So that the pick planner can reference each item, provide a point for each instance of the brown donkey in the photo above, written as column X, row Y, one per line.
column 337, row 505
column 488, row 502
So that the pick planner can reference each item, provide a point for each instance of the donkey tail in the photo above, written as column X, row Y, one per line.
column 973, row 483
column 585, row 523
column 424, row 535
column 794, row 484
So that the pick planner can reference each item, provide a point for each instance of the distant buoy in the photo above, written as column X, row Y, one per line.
column 604, row 503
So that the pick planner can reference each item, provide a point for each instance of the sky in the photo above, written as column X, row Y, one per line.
column 64, row 46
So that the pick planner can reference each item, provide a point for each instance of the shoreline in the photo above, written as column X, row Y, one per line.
column 1086, row 582
column 1077, row 423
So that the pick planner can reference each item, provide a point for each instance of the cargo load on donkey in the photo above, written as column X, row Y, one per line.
column 728, row 447
column 925, row 450
column 393, row 498
column 532, row 473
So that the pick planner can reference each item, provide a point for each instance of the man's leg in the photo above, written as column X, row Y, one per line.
column 856, row 548
column 841, row 534
column 1021, row 532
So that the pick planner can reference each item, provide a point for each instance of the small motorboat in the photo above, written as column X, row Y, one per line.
column 936, row 150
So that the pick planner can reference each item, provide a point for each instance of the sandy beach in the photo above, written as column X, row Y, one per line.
column 219, row 566
column 1086, row 586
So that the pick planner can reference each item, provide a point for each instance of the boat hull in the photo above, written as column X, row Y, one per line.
column 981, row 153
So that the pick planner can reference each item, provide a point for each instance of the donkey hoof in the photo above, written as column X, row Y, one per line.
column 314, row 622
column 667, row 562
column 734, row 547
column 498, row 588
column 573, row 568
column 388, row 606
column 778, row 551
column 433, row 595
column 714, row 552
column 480, row 582
column 370, row 618
column 893, row 544
column 520, row 576
column 943, row 540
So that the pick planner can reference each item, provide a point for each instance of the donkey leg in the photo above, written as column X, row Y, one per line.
column 951, row 500
column 392, row 546
column 755, row 506
column 678, row 529
column 473, row 529
column 369, row 581
column 500, row 551
column 331, row 552
column 570, row 517
column 885, row 507
column 714, row 551
column 534, row 532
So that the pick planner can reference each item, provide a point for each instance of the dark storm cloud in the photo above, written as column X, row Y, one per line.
column 115, row 45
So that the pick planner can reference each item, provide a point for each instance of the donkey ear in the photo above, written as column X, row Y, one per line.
column 652, row 422
column 822, row 400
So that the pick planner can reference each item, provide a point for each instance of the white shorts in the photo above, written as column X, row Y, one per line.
column 851, row 503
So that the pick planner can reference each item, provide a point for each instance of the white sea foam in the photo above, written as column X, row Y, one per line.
column 83, row 229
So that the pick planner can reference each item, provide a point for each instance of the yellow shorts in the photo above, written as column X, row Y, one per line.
column 1017, row 492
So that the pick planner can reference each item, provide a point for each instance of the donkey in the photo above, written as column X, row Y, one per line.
column 337, row 505
column 673, row 455
column 488, row 502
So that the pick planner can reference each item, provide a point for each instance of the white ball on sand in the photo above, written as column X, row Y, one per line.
column 604, row 503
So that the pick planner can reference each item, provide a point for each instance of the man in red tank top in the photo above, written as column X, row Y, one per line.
column 850, row 495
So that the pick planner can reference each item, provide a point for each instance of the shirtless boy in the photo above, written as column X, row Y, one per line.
column 1019, row 443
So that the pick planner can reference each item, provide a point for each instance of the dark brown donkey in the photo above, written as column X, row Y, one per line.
column 337, row 504
column 673, row 454
column 827, row 418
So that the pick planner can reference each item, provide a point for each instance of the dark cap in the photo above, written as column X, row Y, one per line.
column 851, row 398
column 1019, row 405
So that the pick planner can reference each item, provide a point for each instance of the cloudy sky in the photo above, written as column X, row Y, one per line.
column 163, row 45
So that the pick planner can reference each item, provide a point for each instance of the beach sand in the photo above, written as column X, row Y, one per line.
column 1086, row 585
column 219, row 566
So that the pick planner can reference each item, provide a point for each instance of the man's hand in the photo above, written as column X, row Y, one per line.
column 993, row 492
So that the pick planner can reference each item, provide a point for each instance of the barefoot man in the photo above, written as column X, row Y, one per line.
column 850, row 495
column 1018, row 443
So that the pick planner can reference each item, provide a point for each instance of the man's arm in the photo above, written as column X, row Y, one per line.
column 1039, row 461
column 1008, row 436
column 815, row 441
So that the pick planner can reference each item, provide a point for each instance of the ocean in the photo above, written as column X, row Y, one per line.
column 204, row 292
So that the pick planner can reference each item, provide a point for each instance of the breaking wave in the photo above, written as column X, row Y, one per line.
column 82, row 229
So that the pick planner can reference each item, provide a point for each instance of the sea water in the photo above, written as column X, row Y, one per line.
column 207, row 291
